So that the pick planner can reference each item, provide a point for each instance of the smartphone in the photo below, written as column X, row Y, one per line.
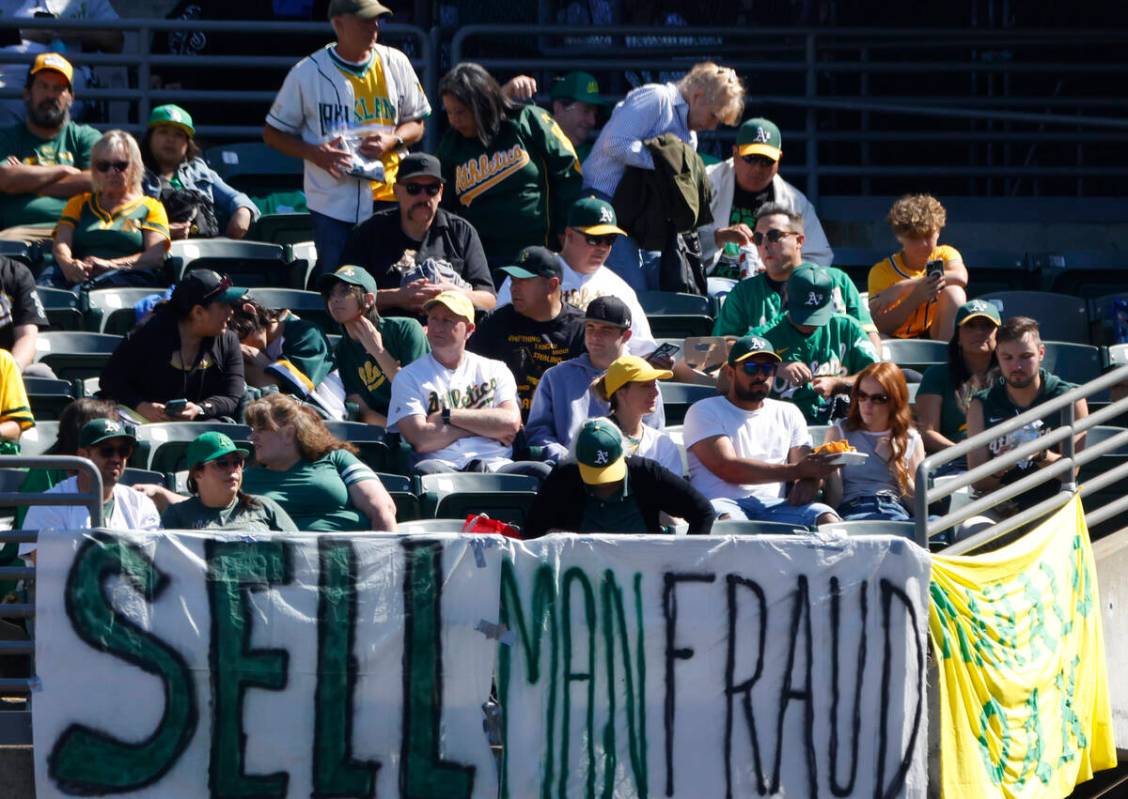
column 175, row 407
column 667, row 350
column 934, row 268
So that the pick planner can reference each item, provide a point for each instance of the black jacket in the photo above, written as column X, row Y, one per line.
column 560, row 501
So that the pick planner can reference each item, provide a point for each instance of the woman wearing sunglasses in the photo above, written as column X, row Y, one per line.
column 115, row 235
column 878, row 424
column 215, row 478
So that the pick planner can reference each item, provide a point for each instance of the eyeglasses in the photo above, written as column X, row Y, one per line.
column 876, row 399
column 106, row 166
column 599, row 241
column 415, row 188
column 753, row 368
column 761, row 161
column 123, row 451
column 772, row 235
column 231, row 462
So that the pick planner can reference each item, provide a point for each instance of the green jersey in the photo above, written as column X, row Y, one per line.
column 757, row 301
column 70, row 148
column 937, row 380
column 315, row 492
column 404, row 340
column 261, row 514
column 838, row 348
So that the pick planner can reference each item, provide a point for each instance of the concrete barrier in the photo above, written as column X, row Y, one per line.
column 1111, row 554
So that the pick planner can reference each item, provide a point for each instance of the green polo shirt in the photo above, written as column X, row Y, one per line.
column 263, row 515
column 756, row 301
column 315, row 493
column 70, row 148
column 403, row 338
column 617, row 514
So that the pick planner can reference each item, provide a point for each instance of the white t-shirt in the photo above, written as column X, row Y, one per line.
column 579, row 289
column 425, row 386
column 767, row 435
column 657, row 446
column 132, row 511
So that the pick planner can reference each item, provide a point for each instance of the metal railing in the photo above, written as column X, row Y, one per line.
column 928, row 491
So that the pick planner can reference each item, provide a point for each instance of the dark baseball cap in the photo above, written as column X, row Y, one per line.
column 759, row 137
column 609, row 309
column 202, row 287
column 577, row 85
column 970, row 310
column 535, row 262
column 96, row 431
column 353, row 275
column 365, row 9
column 745, row 348
column 594, row 216
column 810, row 295
column 420, row 165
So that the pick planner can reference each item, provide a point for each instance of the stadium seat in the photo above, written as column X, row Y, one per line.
column 1077, row 363
column 255, row 168
column 19, row 250
column 282, row 228
column 161, row 445
column 748, row 527
column 428, row 526
column 676, row 315
column 111, row 310
column 133, row 476
column 400, row 488
column 62, row 308
column 75, row 354
column 677, row 397
column 306, row 304
column 902, row 529
column 456, row 495
column 1100, row 318
column 48, row 396
column 1060, row 317
column 37, row 440
column 914, row 353
column 370, row 439
column 248, row 263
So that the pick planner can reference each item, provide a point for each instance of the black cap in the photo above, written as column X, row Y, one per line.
column 535, row 262
column 420, row 164
column 203, row 286
column 609, row 309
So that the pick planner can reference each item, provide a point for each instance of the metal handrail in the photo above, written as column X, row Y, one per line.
column 71, row 463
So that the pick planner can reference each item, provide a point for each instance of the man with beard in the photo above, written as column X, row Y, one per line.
column 45, row 159
column 745, row 449
column 418, row 224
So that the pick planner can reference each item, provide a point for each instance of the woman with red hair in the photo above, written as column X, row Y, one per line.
column 878, row 424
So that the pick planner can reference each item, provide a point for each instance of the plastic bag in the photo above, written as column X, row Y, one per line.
column 481, row 523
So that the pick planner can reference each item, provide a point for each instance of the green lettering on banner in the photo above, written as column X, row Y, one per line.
column 235, row 569
column 423, row 773
column 1080, row 578
column 948, row 617
column 335, row 772
column 1033, row 761
column 995, row 768
column 613, row 614
column 87, row 761
column 1071, row 729
column 576, row 575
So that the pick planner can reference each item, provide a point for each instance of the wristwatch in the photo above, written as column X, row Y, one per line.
column 446, row 416
column 399, row 142
column 208, row 408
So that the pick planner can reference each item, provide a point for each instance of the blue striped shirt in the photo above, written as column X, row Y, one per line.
column 644, row 113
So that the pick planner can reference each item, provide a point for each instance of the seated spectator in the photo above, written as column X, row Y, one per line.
column 197, row 200
column 705, row 97
column 114, row 236
column 564, row 400
column 537, row 330
column 15, row 410
column 512, row 171
column 215, row 478
column 457, row 409
column 744, row 187
column 21, row 316
column 108, row 444
column 183, row 363
column 607, row 491
column 750, row 455
column 279, row 349
column 587, row 240
column 879, row 424
column 947, row 388
column 373, row 348
column 758, row 300
column 822, row 351
column 630, row 388
column 905, row 298
column 417, row 224
column 46, row 158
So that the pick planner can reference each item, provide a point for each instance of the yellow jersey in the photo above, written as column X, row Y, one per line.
column 893, row 270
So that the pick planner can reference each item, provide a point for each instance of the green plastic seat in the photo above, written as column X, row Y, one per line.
column 749, row 527
column 677, row 397
column 677, row 315
column 255, row 168
column 1061, row 317
column 506, row 497
column 370, row 439
column 48, row 397
column 62, row 307
column 306, row 304
column 914, row 353
column 75, row 354
column 161, row 446
column 282, row 228
column 248, row 263
column 111, row 310
column 37, row 440
column 879, row 527
column 428, row 526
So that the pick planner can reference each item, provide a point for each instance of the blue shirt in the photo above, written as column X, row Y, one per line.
column 196, row 174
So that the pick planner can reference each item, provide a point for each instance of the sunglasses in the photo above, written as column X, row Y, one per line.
column 876, row 399
column 772, row 235
column 224, row 284
column 599, row 241
column 229, row 463
column 106, row 166
column 758, row 160
column 414, row 189
column 753, row 368
column 108, row 451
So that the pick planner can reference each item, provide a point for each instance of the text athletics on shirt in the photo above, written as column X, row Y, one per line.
column 479, row 396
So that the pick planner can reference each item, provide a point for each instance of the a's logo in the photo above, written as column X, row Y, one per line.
column 762, row 136
column 592, row 87
column 347, row 271
column 601, row 457
column 606, row 215
column 814, row 299
column 978, row 305
column 113, row 427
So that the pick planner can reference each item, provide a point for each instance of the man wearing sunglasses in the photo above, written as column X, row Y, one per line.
column 741, row 186
column 108, row 444
column 417, row 223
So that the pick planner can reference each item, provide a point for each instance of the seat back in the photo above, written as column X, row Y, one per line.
column 48, row 397
column 914, row 353
column 369, row 439
column 428, row 526
column 162, row 446
column 677, row 397
column 37, row 440
column 111, row 310
column 248, row 263
column 501, row 496
column 1077, row 363
column 308, row 305
column 1061, row 317
column 75, row 354
column 881, row 527
column 748, row 527
column 282, row 228
column 255, row 168
column 62, row 308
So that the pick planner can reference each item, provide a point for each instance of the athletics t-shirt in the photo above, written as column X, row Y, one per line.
column 315, row 493
column 893, row 270
column 404, row 340
column 14, row 405
column 262, row 514
column 745, row 210
column 303, row 360
column 70, row 148
column 756, row 302
column 112, row 234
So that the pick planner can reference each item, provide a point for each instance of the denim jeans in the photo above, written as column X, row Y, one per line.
column 880, row 507
column 53, row 277
column 771, row 509
column 329, row 237
column 639, row 268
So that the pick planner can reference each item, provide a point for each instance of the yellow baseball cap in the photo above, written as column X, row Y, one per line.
column 631, row 369
column 55, row 62
column 456, row 301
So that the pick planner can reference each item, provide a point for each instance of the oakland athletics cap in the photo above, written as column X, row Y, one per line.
column 353, row 275
column 365, row 9
column 98, row 430
column 759, row 137
column 456, row 301
column 599, row 452
column 609, row 309
column 577, row 85
column 744, row 348
column 810, row 295
column 54, row 62
column 631, row 369
column 535, row 262
column 420, row 165
column 970, row 310
column 209, row 446
column 203, row 286
column 172, row 115
column 595, row 216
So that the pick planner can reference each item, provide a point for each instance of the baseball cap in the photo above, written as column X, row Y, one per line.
column 203, row 286
column 420, row 165
column 535, row 262
column 974, row 308
column 631, row 369
column 599, row 452
column 55, row 62
column 810, row 295
column 609, row 309
column 744, row 348
column 577, row 85
column 98, row 430
column 366, row 9
column 759, row 137
column 172, row 115
column 209, row 446
column 456, row 301
column 595, row 216
column 353, row 275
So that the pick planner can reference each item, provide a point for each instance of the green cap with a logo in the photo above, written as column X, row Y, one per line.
column 594, row 216
column 209, row 446
column 577, row 85
column 353, row 275
column 96, row 431
column 172, row 115
column 599, row 452
column 810, row 295
column 535, row 262
column 970, row 310
column 759, row 137
column 745, row 348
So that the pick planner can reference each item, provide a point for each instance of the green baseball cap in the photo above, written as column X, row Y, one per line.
column 810, row 295
column 353, row 275
column 974, row 308
column 744, row 348
column 365, row 9
column 759, row 137
column 535, row 262
column 209, row 446
column 577, row 85
column 172, row 115
column 98, row 430
column 595, row 216
column 599, row 452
